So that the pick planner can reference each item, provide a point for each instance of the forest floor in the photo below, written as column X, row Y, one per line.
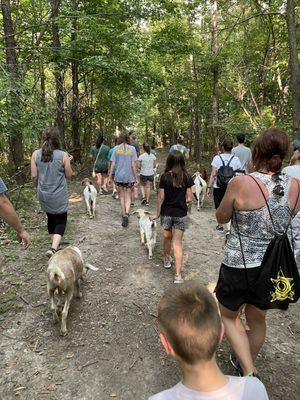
column 112, row 350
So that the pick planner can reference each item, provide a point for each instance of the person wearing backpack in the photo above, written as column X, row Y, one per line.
column 224, row 166
column 261, row 206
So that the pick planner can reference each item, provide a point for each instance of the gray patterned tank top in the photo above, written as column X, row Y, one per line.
column 256, row 228
column 52, row 183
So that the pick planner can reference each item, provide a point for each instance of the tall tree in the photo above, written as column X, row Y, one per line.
column 215, row 70
column 15, row 136
column 294, row 65
column 59, row 81
column 75, row 89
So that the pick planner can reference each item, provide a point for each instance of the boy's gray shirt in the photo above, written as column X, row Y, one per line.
column 244, row 154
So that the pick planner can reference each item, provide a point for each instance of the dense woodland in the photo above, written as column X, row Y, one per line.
column 201, row 69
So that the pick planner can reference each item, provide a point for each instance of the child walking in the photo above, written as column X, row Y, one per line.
column 190, row 331
column 175, row 191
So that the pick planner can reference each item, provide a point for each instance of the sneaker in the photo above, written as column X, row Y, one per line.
column 147, row 203
column 131, row 204
column 144, row 201
column 117, row 196
column 113, row 195
column 235, row 363
column 104, row 188
column 178, row 279
column 168, row 264
column 100, row 191
column 219, row 228
column 50, row 252
column 125, row 220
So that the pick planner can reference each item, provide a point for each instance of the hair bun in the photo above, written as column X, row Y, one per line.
column 274, row 163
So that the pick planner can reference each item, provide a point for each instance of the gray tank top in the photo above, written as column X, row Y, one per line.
column 256, row 228
column 52, row 184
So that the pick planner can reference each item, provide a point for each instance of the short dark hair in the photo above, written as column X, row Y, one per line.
column 270, row 149
column 240, row 137
column 146, row 147
column 227, row 145
column 189, row 318
column 124, row 138
column 180, row 139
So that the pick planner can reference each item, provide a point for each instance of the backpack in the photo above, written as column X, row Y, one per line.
column 278, row 283
column 224, row 174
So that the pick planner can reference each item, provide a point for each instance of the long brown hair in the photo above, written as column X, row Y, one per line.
column 175, row 166
column 270, row 149
column 50, row 143
column 146, row 147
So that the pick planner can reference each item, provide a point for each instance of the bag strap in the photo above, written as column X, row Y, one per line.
column 266, row 201
column 97, row 157
column 230, row 161
column 241, row 246
column 222, row 161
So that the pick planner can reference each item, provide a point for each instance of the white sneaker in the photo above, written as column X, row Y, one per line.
column 50, row 252
column 168, row 264
column 104, row 188
column 178, row 279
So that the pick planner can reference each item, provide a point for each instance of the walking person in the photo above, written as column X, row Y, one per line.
column 293, row 171
column 123, row 161
column 99, row 153
column 175, row 191
column 50, row 169
column 262, row 204
column 147, row 163
column 180, row 147
column 243, row 153
column 8, row 213
column 110, row 153
column 133, row 142
column 224, row 166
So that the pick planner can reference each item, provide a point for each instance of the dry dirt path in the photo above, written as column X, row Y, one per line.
column 112, row 350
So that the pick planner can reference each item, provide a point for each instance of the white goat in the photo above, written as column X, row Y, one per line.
column 90, row 196
column 199, row 189
column 147, row 230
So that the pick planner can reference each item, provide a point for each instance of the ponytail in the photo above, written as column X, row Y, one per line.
column 50, row 143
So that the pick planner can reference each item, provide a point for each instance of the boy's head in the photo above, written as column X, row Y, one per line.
column 189, row 322
column 240, row 137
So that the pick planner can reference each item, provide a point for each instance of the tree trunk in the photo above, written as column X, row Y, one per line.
column 197, row 129
column 215, row 72
column 75, row 90
column 294, row 65
column 14, row 117
column 59, row 82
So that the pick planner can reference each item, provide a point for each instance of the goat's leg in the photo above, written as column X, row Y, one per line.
column 202, row 198
column 65, row 311
column 88, row 207
column 198, row 200
column 142, row 233
column 53, row 305
column 91, row 209
column 78, row 292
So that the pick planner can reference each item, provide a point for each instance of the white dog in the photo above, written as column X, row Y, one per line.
column 66, row 269
column 199, row 189
column 90, row 196
column 147, row 230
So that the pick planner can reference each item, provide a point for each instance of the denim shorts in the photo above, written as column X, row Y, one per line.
column 169, row 223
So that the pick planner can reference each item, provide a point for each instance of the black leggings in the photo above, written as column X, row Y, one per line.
column 57, row 223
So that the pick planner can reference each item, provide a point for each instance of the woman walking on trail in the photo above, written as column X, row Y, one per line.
column 99, row 153
column 147, row 163
column 254, row 201
column 225, row 159
column 175, row 191
column 50, row 167
column 123, row 161
column 110, row 153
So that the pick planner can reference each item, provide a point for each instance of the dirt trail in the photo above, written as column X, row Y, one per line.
column 112, row 350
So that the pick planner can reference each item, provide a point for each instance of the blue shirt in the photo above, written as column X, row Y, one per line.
column 123, row 156
column 3, row 187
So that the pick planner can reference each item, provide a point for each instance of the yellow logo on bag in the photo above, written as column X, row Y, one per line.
column 283, row 288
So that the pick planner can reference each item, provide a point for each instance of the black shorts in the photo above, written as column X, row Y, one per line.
column 57, row 223
column 104, row 171
column 218, row 196
column 127, row 185
column 232, row 287
column 145, row 178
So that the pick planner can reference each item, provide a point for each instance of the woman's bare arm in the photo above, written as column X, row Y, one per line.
column 226, row 208
column 67, row 165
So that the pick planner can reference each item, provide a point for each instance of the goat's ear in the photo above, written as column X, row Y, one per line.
column 147, row 212
column 82, row 182
column 91, row 182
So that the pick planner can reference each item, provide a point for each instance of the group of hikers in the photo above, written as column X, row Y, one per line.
column 251, row 208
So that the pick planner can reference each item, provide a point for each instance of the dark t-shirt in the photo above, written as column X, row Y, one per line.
column 174, row 204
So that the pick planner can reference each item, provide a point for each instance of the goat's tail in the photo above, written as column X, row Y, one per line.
column 56, row 274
